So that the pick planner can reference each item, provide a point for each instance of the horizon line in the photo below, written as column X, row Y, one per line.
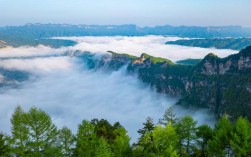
column 82, row 24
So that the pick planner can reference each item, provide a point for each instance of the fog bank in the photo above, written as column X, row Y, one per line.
column 153, row 45
column 69, row 92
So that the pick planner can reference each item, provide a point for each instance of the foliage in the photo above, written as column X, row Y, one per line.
column 240, row 140
column 20, row 131
column 66, row 140
column 219, row 145
column 155, row 60
column 219, row 43
column 121, row 144
column 168, row 117
column 87, row 140
column 34, row 134
column 42, row 133
column 189, row 61
column 186, row 129
column 4, row 145
column 204, row 133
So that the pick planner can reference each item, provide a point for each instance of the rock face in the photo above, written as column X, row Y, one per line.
column 223, row 85
column 237, row 63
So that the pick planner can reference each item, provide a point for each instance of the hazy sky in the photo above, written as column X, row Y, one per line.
column 140, row 12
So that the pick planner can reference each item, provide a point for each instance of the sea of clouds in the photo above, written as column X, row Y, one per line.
column 69, row 92
column 152, row 45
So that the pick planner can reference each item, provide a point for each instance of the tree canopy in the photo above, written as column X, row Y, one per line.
column 33, row 133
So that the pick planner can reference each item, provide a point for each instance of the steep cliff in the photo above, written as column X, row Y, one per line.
column 220, row 84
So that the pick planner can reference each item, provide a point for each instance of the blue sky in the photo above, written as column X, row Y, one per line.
column 140, row 12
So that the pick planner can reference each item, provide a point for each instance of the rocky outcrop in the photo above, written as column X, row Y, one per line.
column 220, row 84
column 237, row 63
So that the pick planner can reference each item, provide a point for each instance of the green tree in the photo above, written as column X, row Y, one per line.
column 240, row 141
column 19, row 131
column 165, row 140
column 66, row 141
column 42, row 133
column 121, row 144
column 103, row 149
column 171, row 152
column 104, row 129
column 219, row 145
column 168, row 117
column 204, row 134
column 137, row 150
column 4, row 145
column 148, row 127
column 146, row 139
column 87, row 140
column 186, row 129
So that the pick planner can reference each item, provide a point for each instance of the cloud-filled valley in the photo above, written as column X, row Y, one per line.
column 69, row 92
column 152, row 45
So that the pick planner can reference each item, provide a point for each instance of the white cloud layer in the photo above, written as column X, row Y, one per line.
column 71, row 96
column 27, row 51
column 153, row 45
column 70, row 93
column 38, row 65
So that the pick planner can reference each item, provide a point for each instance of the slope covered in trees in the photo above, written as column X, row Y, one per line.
column 219, row 43
column 33, row 133
column 189, row 61
column 221, row 84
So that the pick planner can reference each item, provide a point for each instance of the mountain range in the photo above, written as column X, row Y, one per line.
column 34, row 34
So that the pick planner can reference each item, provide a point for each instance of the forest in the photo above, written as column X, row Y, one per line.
column 218, row 43
column 33, row 134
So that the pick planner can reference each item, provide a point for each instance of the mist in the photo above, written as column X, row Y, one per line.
column 72, row 95
column 152, row 45
column 70, row 92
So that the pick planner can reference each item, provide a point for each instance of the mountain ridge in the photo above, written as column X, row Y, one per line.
column 218, row 43
column 37, row 31
column 221, row 84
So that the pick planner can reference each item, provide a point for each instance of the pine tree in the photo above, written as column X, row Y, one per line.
column 103, row 149
column 165, row 140
column 121, row 144
column 87, row 140
column 240, row 141
column 42, row 133
column 19, row 131
column 146, row 139
column 220, row 143
column 4, row 145
column 66, row 141
column 186, row 129
column 169, row 117
column 204, row 134
column 148, row 127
